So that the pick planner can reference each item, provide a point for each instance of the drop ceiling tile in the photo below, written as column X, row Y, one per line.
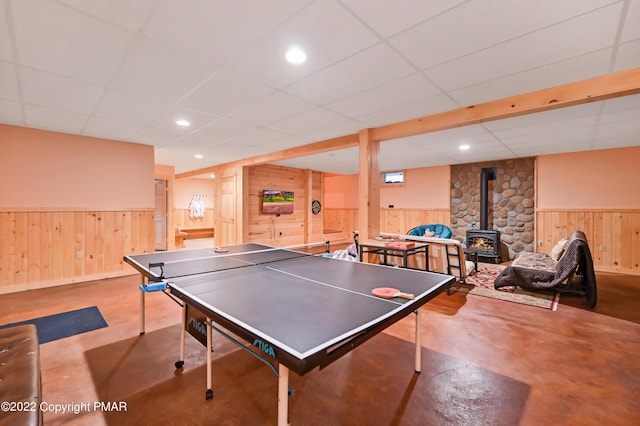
column 219, row 131
column 283, row 142
column 344, row 161
column 8, row 82
column 6, row 51
column 11, row 113
column 310, row 120
column 177, row 157
column 574, row 69
column 550, row 149
column 325, row 30
column 551, row 141
column 275, row 107
column 352, row 75
column 122, row 106
column 388, row 18
column 153, row 136
column 618, row 128
column 621, row 104
column 486, row 23
column 127, row 14
column 550, row 132
column 590, row 32
column 73, row 44
column 334, row 130
column 627, row 56
column 260, row 137
column 546, row 118
column 631, row 27
column 616, row 139
column 166, row 120
column 109, row 129
column 622, row 115
column 409, row 111
column 225, row 92
column 230, row 151
column 218, row 31
column 407, row 89
column 445, row 140
column 52, row 91
column 156, row 72
column 54, row 119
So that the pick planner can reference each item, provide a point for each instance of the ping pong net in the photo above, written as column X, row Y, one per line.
column 216, row 262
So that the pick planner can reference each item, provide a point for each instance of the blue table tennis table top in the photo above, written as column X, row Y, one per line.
column 305, row 310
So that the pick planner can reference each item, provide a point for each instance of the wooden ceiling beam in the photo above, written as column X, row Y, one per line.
column 609, row 86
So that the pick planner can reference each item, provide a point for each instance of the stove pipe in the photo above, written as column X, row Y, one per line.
column 487, row 174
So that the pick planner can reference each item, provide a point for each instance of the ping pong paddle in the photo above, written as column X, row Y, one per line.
column 221, row 250
column 390, row 293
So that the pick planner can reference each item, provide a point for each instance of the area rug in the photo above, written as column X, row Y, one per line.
column 481, row 284
column 65, row 324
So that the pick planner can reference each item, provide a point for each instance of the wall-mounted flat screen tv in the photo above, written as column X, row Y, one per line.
column 277, row 202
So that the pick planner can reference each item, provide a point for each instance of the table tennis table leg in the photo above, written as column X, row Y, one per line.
column 209, row 394
column 283, row 395
column 183, row 333
column 142, row 307
column 418, row 366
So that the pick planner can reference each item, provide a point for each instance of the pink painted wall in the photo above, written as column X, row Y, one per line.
column 185, row 188
column 341, row 192
column 49, row 170
column 602, row 179
column 425, row 188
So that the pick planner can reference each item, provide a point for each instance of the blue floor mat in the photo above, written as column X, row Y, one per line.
column 65, row 324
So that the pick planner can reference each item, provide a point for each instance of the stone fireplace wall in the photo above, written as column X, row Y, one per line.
column 511, row 202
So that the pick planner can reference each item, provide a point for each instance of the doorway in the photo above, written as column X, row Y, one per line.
column 160, row 216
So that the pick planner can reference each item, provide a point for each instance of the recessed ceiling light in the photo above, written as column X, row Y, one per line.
column 183, row 123
column 212, row 176
column 199, row 156
column 464, row 147
column 295, row 55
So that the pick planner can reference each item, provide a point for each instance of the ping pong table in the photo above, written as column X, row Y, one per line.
column 295, row 311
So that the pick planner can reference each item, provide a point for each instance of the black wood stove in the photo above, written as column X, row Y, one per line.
column 486, row 241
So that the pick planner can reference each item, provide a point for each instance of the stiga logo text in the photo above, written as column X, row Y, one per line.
column 264, row 347
column 197, row 326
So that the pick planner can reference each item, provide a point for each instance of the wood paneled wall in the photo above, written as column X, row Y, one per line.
column 343, row 221
column 614, row 235
column 46, row 248
column 183, row 219
column 287, row 229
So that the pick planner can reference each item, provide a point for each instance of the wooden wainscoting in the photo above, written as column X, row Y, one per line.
column 397, row 221
column 46, row 248
column 614, row 235
column 340, row 221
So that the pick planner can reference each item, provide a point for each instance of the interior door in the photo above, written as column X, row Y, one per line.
column 227, row 233
column 161, row 213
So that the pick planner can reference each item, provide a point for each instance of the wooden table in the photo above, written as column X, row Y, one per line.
column 381, row 247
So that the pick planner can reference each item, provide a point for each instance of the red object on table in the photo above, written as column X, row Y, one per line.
column 400, row 244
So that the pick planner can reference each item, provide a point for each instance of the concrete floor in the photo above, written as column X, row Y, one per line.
column 484, row 361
